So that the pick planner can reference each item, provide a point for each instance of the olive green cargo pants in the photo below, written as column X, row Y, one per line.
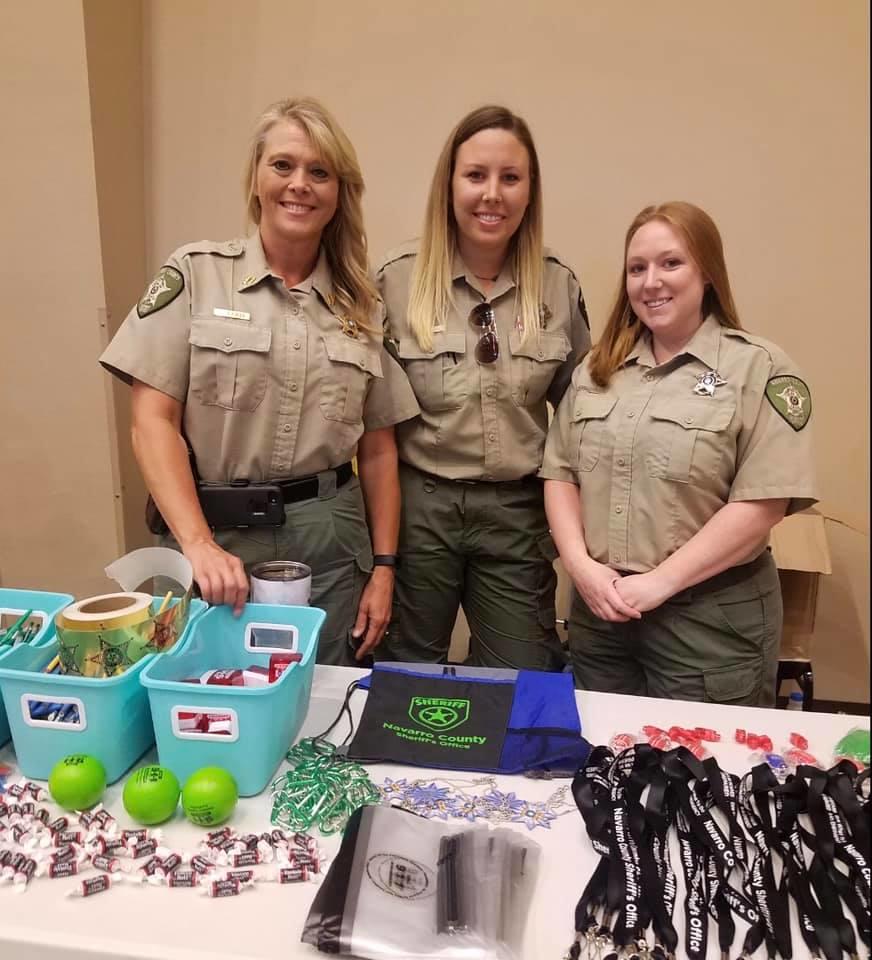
column 484, row 546
column 330, row 535
column 716, row 642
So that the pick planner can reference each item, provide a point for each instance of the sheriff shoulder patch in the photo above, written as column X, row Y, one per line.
column 165, row 287
column 791, row 399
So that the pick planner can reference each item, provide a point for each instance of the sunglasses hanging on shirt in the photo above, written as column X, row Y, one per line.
column 487, row 350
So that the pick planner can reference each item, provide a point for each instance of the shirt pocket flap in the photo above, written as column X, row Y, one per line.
column 592, row 406
column 696, row 413
column 228, row 336
column 549, row 346
column 355, row 352
column 410, row 349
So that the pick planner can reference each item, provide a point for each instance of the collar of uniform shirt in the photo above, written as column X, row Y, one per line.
column 253, row 268
column 704, row 345
column 505, row 281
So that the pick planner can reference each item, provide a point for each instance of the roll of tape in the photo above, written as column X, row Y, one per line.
column 109, row 611
column 102, row 636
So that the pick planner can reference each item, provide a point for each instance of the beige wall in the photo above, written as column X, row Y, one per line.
column 113, row 39
column 758, row 112
column 58, row 520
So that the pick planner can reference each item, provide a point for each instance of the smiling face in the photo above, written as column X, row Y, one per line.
column 664, row 284
column 297, row 189
column 490, row 190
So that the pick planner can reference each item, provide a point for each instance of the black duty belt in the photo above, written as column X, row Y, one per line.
column 306, row 488
column 519, row 481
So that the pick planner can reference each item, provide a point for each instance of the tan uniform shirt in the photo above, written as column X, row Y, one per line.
column 484, row 421
column 272, row 385
column 655, row 460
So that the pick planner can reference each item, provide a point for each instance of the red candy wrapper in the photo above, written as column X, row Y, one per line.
column 224, row 888
column 709, row 736
column 69, row 868
column 660, row 741
column 183, row 878
column 87, row 888
column 621, row 741
column 796, row 757
column 798, row 740
column 288, row 875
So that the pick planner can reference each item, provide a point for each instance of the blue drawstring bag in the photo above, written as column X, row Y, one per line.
column 470, row 718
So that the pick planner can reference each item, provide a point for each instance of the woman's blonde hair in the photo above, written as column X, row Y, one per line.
column 431, row 295
column 706, row 249
column 344, row 238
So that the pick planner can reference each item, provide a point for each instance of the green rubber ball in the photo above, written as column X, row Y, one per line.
column 151, row 795
column 209, row 796
column 77, row 782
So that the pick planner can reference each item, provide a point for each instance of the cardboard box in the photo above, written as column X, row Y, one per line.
column 799, row 545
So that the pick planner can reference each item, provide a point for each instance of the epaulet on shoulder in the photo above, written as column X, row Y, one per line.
column 223, row 248
column 552, row 256
column 772, row 349
column 407, row 249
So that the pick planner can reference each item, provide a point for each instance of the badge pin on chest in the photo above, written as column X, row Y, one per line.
column 349, row 327
column 707, row 382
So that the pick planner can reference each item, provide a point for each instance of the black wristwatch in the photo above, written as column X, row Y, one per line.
column 385, row 560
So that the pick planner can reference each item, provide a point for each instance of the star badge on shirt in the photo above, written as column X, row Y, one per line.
column 707, row 382
column 349, row 326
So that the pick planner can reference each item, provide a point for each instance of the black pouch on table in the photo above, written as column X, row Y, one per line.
column 467, row 718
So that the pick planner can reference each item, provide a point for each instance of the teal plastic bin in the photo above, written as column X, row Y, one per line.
column 258, row 724
column 113, row 720
column 15, row 603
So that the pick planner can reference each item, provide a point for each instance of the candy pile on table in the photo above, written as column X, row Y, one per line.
column 783, row 762
column 33, row 844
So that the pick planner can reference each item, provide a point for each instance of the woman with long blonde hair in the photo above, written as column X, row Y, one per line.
column 264, row 355
column 680, row 443
column 488, row 325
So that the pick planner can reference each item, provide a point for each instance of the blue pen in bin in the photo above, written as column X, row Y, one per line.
column 257, row 724
column 107, row 717
column 44, row 606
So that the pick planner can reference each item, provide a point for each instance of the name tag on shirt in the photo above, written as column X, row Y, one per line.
column 231, row 314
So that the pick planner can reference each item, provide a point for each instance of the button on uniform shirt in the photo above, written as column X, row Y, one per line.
column 274, row 382
column 655, row 460
column 484, row 421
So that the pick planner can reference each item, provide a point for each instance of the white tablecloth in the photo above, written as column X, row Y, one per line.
column 266, row 922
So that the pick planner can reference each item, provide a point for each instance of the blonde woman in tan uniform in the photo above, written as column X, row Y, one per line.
column 681, row 442
column 488, row 325
column 266, row 355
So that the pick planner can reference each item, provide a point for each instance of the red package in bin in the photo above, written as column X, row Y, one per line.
column 221, row 723
column 279, row 662
column 249, row 677
column 191, row 722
